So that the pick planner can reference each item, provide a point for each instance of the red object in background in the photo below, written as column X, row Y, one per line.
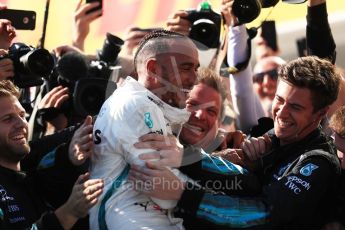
column 3, row 2
column 118, row 16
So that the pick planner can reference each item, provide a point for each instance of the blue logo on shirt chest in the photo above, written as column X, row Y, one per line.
column 148, row 120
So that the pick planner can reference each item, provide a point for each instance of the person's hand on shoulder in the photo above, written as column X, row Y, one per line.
column 235, row 156
column 255, row 148
column 152, row 180
column 81, row 144
column 231, row 139
column 168, row 150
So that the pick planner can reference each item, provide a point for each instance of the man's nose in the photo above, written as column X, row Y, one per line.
column 21, row 122
column 189, row 82
column 283, row 110
column 200, row 114
column 267, row 79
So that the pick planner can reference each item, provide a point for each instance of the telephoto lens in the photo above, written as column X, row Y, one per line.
column 248, row 10
column 111, row 48
column 30, row 64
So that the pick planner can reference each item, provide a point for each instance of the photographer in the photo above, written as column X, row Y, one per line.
column 7, row 34
column 242, row 93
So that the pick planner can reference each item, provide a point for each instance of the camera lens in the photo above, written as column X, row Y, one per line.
column 206, row 32
column 111, row 48
column 39, row 62
column 89, row 95
column 30, row 64
column 246, row 10
column 92, row 98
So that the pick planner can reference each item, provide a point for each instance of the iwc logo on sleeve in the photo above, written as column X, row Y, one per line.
column 308, row 169
column 148, row 120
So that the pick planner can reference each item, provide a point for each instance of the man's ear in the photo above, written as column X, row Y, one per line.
column 151, row 67
column 323, row 112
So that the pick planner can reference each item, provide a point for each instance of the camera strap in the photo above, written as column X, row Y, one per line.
column 220, row 55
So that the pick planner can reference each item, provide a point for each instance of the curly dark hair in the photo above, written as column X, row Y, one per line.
column 154, row 42
column 318, row 75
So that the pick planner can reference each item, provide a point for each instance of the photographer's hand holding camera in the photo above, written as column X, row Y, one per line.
column 177, row 22
column 6, row 66
column 132, row 39
column 59, row 51
column 226, row 10
column 53, row 119
column 82, row 21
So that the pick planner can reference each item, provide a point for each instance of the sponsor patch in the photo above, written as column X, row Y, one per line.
column 308, row 169
column 158, row 103
column 148, row 120
column 1, row 214
column 3, row 194
column 157, row 132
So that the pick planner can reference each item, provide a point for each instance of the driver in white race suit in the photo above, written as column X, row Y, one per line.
column 166, row 64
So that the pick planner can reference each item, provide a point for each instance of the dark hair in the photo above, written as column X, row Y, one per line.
column 154, row 43
column 318, row 75
column 213, row 80
column 7, row 88
column 337, row 121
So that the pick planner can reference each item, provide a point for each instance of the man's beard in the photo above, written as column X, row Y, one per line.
column 15, row 154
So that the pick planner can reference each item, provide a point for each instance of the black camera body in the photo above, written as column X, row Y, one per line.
column 247, row 10
column 111, row 49
column 88, row 82
column 30, row 64
column 90, row 93
column 205, row 25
